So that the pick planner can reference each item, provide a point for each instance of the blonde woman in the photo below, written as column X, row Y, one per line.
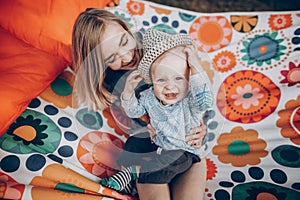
column 104, row 53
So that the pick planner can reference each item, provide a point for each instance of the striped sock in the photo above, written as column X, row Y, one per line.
column 128, row 189
column 120, row 180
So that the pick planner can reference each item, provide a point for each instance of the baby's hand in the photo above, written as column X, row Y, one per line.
column 192, row 58
column 132, row 81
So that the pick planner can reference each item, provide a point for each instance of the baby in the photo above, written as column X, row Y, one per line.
column 179, row 94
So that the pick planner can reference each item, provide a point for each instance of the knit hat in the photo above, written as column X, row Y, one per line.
column 156, row 43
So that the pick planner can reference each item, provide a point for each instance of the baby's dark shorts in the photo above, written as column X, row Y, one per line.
column 163, row 168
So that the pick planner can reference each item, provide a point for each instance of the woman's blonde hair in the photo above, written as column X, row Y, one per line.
column 87, row 57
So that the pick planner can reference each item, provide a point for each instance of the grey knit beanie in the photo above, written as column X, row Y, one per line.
column 156, row 43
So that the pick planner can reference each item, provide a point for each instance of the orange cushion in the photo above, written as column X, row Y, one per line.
column 25, row 72
column 45, row 24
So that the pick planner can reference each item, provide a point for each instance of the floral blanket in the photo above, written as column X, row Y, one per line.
column 59, row 150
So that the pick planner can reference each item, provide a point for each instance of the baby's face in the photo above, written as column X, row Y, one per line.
column 170, row 77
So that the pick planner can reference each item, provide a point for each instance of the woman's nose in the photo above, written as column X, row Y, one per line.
column 125, row 55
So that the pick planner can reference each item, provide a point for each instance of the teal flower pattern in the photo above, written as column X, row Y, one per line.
column 263, row 50
column 126, row 16
column 123, row 16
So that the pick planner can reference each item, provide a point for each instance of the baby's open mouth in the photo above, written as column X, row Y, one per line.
column 170, row 95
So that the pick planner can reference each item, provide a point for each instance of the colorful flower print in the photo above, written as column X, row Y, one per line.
column 98, row 153
column 126, row 15
column 287, row 155
column 211, row 33
column 163, row 23
column 296, row 39
column 292, row 75
column 211, row 169
column 240, row 147
column 136, row 8
column 9, row 188
column 289, row 121
column 280, row 21
column 60, row 91
column 160, row 10
column 186, row 17
column 59, row 182
column 247, row 97
column 117, row 119
column 31, row 132
column 89, row 119
column 263, row 50
column 244, row 23
column 252, row 185
column 120, row 122
column 224, row 61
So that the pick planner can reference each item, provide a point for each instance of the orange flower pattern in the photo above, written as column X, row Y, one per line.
column 9, row 188
column 68, row 185
column 249, row 97
column 60, row 91
column 224, row 61
column 160, row 10
column 211, row 33
column 98, row 153
column 240, row 147
column 289, row 121
column 120, row 122
column 117, row 119
column 244, row 23
column 277, row 22
column 211, row 169
column 136, row 8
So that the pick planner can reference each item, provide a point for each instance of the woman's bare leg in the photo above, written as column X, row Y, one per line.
column 191, row 184
column 153, row 191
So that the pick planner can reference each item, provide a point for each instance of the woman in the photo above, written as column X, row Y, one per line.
column 104, row 52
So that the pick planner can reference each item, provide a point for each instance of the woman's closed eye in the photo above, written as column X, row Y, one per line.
column 124, row 41
column 112, row 59
column 116, row 56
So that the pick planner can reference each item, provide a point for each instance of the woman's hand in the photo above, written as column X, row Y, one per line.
column 151, row 131
column 196, row 136
column 132, row 81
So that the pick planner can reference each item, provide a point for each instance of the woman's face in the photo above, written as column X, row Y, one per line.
column 119, row 48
